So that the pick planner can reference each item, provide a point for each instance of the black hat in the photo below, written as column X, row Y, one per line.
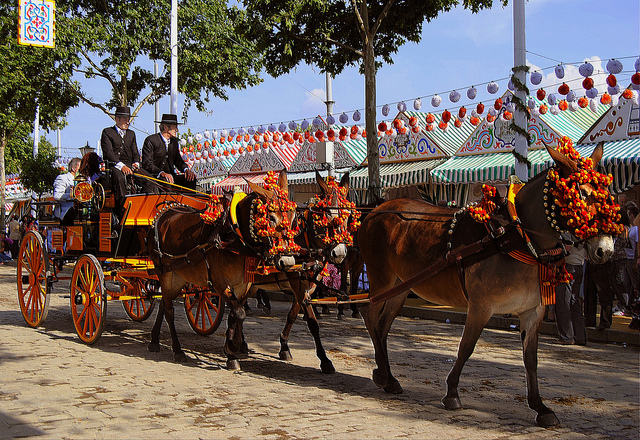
column 124, row 112
column 168, row 118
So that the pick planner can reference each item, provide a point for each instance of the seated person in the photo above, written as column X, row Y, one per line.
column 161, row 156
column 121, row 154
column 90, row 167
column 65, row 209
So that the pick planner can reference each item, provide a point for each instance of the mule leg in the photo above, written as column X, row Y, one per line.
column 477, row 318
column 326, row 366
column 530, row 324
column 378, row 319
column 285, row 352
column 235, row 346
column 178, row 354
column 154, row 345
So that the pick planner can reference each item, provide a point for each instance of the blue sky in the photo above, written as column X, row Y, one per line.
column 458, row 50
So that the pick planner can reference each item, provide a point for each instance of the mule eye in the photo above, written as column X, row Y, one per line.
column 273, row 219
column 583, row 193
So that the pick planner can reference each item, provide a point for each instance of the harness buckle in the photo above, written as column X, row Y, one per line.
column 498, row 232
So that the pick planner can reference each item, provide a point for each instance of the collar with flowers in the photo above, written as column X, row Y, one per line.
column 282, row 243
column 336, row 231
column 582, row 220
column 481, row 211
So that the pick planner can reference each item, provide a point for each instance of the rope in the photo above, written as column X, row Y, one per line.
column 164, row 182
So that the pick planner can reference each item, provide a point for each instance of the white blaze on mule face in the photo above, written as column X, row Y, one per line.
column 600, row 248
column 338, row 253
column 284, row 263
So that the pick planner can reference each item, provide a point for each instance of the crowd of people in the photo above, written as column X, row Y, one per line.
column 613, row 285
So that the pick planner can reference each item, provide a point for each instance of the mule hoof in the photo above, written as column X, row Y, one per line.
column 180, row 357
column 233, row 364
column 327, row 367
column 393, row 388
column 547, row 420
column 153, row 348
column 451, row 403
column 285, row 356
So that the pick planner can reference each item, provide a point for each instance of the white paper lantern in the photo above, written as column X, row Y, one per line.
column 215, row 134
column 190, row 139
column 198, row 137
column 613, row 90
column 511, row 107
column 586, row 69
column 535, row 112
column 183, row 142
column 282, row 127
column 472, row 92
column 417, row 104
column 571, row 96
column 552, row 99
column 531, row 103
column 385, row 110
column 492, row 111
column 592, row 93
column 436, row 100
column 304, row 124
column 251, row 131
column 614, row 66
column 454, row 96
column 232, row 133
column 554, row 110
column 474, row 113
column 242, row 131
column 510, row 86
column 536, row 78
column 615, row 99
column 331, row 120
column 224, row 133
column 343, row 118
column 492, row 87
column 207, row 134
column 559, row 71
column 402, row 107
column 593, row 105
column 573, row 106
column 356, row 115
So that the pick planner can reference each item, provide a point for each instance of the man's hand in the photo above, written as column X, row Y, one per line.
column 166, row 176
column 126, row 170
column 190, row 175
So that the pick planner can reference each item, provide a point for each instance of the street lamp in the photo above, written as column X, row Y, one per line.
column 86, row 149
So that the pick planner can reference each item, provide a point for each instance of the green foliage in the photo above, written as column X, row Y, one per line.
column 112, row 41
column 38, row 173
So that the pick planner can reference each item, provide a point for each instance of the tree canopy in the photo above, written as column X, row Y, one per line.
column 335, row 34
column 38, row 173
column 114, row 42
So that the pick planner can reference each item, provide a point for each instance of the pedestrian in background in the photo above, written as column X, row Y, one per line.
column 568, row 309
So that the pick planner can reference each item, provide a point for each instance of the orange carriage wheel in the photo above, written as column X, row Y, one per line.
column 88, row 299
column 33, row 289
column 204, row 309
column 140, row 307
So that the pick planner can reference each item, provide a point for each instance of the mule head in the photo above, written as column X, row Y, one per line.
column 334, row 218
column 580, row 201
column 272, row 220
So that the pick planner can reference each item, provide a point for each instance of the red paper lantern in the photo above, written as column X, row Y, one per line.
column 430, row 118
column 354, row 129
column 587, row 84
column 343, row 133
column 474, row 120
column 498, row 104
column 605, row 99
column 583, row 102
column 446, row 116
column 541, row 94
column 491, row 118
column 462, row 112
column 247, row 138
column 563, row 105
column 543, row 109
column 415, row 129
column 458, row 123
column 635, row 78
column 507, row 115
column 413, row 121
column 331, row 134
column 320, row 135
column 276, row 137
column 230, row 138
column 611, row 80
column 442, row 125
column 627, row 94
column 429, row 127
column 563, row 89
column 342, row 138
column 397, row 124
column 382, row 126
column 480, row 108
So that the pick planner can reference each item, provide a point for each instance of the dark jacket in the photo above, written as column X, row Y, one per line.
column 116, row 149
column 155, row 157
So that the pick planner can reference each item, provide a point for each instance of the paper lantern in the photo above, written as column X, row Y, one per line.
column 587, row 84
column 531, row 103
column 458, row 123
column 442, row 125
column 320, row 135
column 385, row 110
column 331, row 120
column 344, row 131
column 251, row 131
column 563, row 105
column 304, row 124
column 343, row 118
column 429, row 127
column 510, row 86
column 543, row 109
column 382, row 127
column 417, row 104
column 402, row 107
column 207, row 134
column 571, row 96
column 413, row 121
column 472, row 92
column 415, row 129
column 635, row 78
column 242, row 131
column 498, row 104
column 540, row 94
column 614, row 66
column 446, row 116
column 474, row 120
column 559, row 71
column 554, row 110
column 573, row 106
column 613, row 90
column 552, row 99
column 398, row 124
column 492, row 87
column 592, row 93
column 356, row 115
column 563, row 89
column 462, row 112
column 491, row 118
column 436, row 100
column 183, row 142
column 536, row 78
column 198, row 137
column 282, row 127
column 232, row 133
column 593, row 105
column 430, row 118
column 586, row 69
column 454, row 96
column 583, row 102
column 331, row 135
column 611, row 80
column 480, row 108
column 190, row 139
column 492, row 112
column 627, row 94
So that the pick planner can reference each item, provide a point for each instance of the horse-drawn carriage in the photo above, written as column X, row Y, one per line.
column 110, row 262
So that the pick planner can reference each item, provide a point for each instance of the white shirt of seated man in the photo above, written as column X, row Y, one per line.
column 62, row 189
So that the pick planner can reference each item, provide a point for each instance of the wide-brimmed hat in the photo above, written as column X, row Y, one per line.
column 168, row 118
column 124, row 112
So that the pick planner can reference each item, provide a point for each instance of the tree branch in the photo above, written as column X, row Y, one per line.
column 361, row 27
column 86, row 100
column 383, row 15
column 103, row 73
column 326, row 39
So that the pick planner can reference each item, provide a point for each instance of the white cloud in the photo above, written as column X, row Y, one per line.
column 572, row 77
column 314, row 102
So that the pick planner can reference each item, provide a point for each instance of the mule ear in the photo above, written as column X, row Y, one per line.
column 282, row 181
column 324, row 188
column 566, row 164
column 264, row 193
column 597, row 153
column 344, row 182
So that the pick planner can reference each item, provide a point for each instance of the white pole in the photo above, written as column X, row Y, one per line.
column 520, row 59
column 330, row 102
column 59, row 140
column 157, row 104
column 36, row 131
column 174, row 57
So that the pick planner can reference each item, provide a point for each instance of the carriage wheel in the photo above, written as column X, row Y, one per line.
column 204, row 309
column 141, row 307
column 88, row 299
column 33, row 289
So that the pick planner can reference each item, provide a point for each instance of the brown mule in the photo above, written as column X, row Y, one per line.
column 397, row 245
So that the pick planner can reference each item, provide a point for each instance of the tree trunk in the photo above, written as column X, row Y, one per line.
column 3, row 182
column 373, row 159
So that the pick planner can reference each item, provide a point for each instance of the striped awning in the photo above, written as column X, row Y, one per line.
column 394, row 175
column 231, row 182
column 487, row 167
column 309, row 177
column 620, row 159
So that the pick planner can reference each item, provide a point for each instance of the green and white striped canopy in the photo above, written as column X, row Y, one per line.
column 620, row 159
column 394, row 175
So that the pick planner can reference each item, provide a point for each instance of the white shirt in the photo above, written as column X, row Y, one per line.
column 633, row 241
column 62, row 193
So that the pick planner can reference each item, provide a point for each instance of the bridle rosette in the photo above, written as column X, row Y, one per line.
column 570, row 198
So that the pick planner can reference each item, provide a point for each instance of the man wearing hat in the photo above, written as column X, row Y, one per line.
column 120, row 152
column 161, row 155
